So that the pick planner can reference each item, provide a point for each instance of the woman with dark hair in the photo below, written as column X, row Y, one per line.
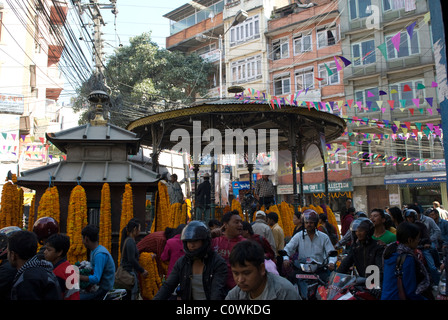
column 405, row 277
column 297, row 221
column 396, row 215
column 130, row 255
column 174, row 249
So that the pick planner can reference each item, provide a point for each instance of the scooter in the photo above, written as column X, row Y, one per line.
column 343, row 286
column 443, row 294
column 308, row 278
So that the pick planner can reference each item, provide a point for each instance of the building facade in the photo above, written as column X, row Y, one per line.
column 30, row 80
column 394, row 121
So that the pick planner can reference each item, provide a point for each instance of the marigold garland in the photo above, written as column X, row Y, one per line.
column 127, row 213
column 152, row 283
column 76, row 221
column 236, row 205
column 49, row 204
column 31, row 215
column 11, row 206
column 163, row 209
column 105, row 236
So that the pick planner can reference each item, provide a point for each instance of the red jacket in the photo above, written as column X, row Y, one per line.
column 62, row 271
column 174, row 249
column 223, row 246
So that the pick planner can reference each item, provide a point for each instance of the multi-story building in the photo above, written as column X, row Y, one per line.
column 303, row 40
column 393, row 120
column 30, row 80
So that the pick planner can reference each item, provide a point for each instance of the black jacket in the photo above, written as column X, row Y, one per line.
column 35, row 281
column 213, row 278
column 361, row 256
column 203, row 193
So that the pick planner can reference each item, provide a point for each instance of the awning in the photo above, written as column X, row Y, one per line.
column 416, row 177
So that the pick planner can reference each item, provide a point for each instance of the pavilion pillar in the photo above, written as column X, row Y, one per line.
column 194, row 208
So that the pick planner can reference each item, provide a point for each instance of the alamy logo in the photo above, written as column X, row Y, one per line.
column 235, row 141
column 72, row 281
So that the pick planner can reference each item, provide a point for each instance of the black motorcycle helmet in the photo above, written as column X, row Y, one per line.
column 196, row 230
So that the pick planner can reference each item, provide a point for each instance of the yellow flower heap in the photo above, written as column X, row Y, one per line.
column 76, row 221
column 152, row 283
column 11, row 205
column 105, row 236
column 127, row 213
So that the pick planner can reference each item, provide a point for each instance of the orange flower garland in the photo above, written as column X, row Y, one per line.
column 163, row 209
column 105, row 236
column 286, row 213
column 76, row 221
column 236, row 205
column 10, row 206
column 127, row 213
column 31, row 215
column 152, row 283
column 49, row 204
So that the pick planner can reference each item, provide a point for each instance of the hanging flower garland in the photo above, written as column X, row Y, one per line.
column 127, row 213
column 236, row 205
column 76, row 221
column 176, row 215
column 162, row 206
column 31, row 215
column 286, row 214
column 152, row 283
column 10, row 206
column 105, row 236
column 49, row 204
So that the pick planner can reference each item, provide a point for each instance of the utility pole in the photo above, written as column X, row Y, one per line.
column 94, row 10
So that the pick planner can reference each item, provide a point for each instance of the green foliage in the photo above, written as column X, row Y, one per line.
column 142, row 78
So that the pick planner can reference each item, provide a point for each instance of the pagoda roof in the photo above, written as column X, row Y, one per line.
column 88, row 172
column 90, row 133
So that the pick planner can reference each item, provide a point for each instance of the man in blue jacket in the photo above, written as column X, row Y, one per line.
column 102, row 264
column 412, row 282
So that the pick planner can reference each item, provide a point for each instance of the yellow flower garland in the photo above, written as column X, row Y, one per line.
column 76, row 221
column 105, row 236
column 31, row 215
column 127, row 213
column 236, row 205
column 11, row 206
column 49, row 204
column 163, row 209
column 152, row 283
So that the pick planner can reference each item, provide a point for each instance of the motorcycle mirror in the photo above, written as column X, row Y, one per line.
column 333, row 253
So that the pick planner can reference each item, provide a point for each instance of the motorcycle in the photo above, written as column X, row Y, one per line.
column 343, row 286
column 442, row 293
column 309, row 276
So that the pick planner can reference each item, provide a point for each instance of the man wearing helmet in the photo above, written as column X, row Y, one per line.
column 365, row 251
column 201, row 273
column 44, row 228
column 310, row 243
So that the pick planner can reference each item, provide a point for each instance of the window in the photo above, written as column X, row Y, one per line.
column 245, row 31
column 403, row 98
column 302, row 43
column 359, row 8
column 282, row 84
column 327, row 36
column 368, row 103
column 338, row 161
column 304, row 79
column 246, row 69
column 393, row 4
column 407, row 46
column 363, row 53
column 280, row 49
column 323, row 73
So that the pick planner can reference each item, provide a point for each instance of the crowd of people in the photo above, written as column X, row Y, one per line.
column 234, row 259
